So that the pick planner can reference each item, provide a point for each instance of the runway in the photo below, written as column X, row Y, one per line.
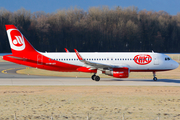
column 11, row 78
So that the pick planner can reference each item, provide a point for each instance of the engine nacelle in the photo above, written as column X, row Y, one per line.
column 118, row 72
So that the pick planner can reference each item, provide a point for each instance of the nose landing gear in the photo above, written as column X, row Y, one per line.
column 154, row 75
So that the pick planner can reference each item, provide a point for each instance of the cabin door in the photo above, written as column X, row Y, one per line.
column 39, row 59
column 156, row 60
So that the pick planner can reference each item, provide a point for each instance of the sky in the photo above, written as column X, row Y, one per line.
column 50, row 6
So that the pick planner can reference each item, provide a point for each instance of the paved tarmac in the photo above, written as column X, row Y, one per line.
column 9, row 77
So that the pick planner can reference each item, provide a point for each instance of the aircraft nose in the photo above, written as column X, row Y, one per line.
column 175, row 64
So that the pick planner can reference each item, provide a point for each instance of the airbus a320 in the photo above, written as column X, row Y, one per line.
column 116, row 64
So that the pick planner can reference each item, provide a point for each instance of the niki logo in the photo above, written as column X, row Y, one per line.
column 16, row 39
column 142, row 59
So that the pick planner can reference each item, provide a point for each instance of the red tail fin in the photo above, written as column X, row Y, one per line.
column 18, row 43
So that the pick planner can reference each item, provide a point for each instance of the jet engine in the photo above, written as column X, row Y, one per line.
column 118, row 72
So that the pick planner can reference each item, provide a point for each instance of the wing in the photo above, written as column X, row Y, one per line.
column 96, row 65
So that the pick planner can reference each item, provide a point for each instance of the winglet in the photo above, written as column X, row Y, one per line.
column 66, row 50
column 78, row 55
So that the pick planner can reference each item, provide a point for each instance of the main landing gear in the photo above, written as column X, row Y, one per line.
column 154, row 75
column 95, row 77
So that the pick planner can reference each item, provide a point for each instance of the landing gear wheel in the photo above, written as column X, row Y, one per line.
column 97, row 78
column 154, row 74
column 155, row 78
column 93, row 77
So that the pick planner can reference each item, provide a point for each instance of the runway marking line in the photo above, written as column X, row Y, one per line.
column 5, row 71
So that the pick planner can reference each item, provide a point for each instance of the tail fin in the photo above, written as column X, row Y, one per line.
column 18, row 43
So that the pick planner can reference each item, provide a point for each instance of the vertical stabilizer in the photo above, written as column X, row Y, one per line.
column 18, row 43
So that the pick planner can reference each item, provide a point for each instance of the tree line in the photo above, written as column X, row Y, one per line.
column 95, row 30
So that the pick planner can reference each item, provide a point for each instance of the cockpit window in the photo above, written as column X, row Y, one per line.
column 167, row 58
